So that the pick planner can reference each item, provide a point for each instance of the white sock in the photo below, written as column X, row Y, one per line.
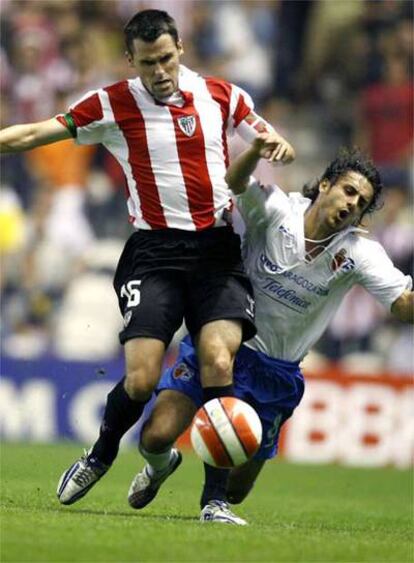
column 157, row 463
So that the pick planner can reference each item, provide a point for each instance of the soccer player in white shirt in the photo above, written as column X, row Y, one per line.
column 167, row 128
column 302, row 254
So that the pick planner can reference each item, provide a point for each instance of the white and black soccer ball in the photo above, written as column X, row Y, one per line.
column 226, row 432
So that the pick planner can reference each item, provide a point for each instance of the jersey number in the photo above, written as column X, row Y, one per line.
column 131, row 291
column 272, row 432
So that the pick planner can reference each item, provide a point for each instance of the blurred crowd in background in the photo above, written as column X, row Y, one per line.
column 325, row 73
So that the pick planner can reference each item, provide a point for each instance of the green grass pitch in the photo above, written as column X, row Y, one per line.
column 296, row 513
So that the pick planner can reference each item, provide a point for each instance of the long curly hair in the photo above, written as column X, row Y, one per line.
column 349, row 160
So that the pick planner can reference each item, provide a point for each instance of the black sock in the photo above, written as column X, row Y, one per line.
column 215, row 484
column 214, row 392
column 120, row 414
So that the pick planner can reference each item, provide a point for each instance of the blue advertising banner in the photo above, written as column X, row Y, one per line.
column 48, row 399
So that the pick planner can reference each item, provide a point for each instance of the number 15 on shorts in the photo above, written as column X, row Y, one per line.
column 131, row 291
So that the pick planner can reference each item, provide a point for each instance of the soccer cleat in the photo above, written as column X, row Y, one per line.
column 79, row 478
column 219, row 511
column 144, row 487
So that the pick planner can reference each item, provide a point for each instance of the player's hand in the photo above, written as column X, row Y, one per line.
column 274, row 148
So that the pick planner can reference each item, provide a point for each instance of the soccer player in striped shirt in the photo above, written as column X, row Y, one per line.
column 302, row 253
column 168, row 130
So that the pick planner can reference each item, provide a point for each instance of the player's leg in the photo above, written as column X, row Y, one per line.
column 153, row 310
column 223, row 320
column 171, row 416
column 179, row 395
column 219, row 311
column 126, row 402
column 238, row 482
column 241, row 480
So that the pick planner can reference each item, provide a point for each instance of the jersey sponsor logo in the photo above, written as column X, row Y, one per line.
column 296, row 278
column 341, row 262
column 285, row 296
column 183, row 371
column 187, row 124
column 269, row 265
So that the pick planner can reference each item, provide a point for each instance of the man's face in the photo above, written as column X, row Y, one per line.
column 344, row 202
column 157, row 64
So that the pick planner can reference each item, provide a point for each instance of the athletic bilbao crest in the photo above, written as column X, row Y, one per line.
column 187, row 125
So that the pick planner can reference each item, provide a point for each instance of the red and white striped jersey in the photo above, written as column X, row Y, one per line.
column 174, row 157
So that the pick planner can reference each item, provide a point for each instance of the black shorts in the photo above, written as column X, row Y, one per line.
column 167, row 276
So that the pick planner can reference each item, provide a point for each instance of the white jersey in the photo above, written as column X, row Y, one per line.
column 174, row 155
column 296, row 297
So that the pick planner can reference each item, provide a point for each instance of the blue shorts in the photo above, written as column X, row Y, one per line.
column 274, row 388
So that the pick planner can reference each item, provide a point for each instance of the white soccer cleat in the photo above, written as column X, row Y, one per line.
column 80, row 478
column 144, row 487
column 219, row 511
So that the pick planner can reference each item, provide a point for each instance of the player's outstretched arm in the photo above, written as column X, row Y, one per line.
column 253, row 124
column 238, row 174
column 18, row 138
column 403, row 307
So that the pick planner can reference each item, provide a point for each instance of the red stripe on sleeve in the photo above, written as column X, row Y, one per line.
column 87, row 111
column 221, row 92
column 242, row 110
column 132, row 124
column 192, row 155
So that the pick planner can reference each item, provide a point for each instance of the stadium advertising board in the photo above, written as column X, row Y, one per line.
column 356, row 421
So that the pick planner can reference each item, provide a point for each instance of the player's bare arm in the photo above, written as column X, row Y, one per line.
column 266, row 145
column 403, row 307
column 18, row 138
column 253, row 124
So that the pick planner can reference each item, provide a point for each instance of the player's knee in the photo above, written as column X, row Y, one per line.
column 156, row 437
column 223, row 364
column 218, row 368
column 139, row 385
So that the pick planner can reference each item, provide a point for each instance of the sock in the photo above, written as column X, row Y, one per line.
column 120, row 414
column 215, row 484
column 157, row 462
column 214, row 392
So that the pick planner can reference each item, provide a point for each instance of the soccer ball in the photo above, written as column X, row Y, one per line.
column 226, row 432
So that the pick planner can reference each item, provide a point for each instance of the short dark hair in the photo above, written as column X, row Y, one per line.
column 148, row 25
column 349, row 160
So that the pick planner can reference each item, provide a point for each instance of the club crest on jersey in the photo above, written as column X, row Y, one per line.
column 187, row 125
column 341, row 262
column 182, row 371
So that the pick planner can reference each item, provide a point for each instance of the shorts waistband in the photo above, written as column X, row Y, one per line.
column 177, row 234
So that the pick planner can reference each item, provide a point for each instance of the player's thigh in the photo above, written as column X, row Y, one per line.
column 220, row 296
column 152, row 305
column 171, row 416
column 241, row 480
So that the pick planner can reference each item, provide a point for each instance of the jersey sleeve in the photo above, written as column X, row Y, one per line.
column 241, row 104
column 88, row 118
column 379, row 276
column 261, row 204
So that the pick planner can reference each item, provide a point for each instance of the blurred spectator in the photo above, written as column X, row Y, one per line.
column 247, row 37
column 325, row 73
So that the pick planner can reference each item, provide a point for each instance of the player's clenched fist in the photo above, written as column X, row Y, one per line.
column 274, row 147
